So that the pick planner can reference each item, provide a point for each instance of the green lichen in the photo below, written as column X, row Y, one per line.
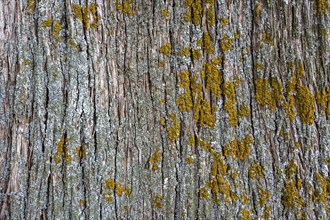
column 166, row 49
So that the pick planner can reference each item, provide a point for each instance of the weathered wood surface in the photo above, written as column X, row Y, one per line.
column 194, row 109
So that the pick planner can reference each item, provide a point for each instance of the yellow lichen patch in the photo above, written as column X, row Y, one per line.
column 62, row 151
column 158, row 201
column 277, row 91
column 217, row 61
column 305, row 104
column 321, row 6
column 256, row 171
column 238, row 149
column 47, row 23
column 291, row 169
column 206, row 43
column 291, row 196
column 196, row 54
column 213, row 78
column 73, row 44
column 155, row 159
column 245, row 199
column 323, row 193
column 244, row 111
column 246, row 214
column 161, row 63
column 111, row 186
column 31, row 5
column 27, row 62
column 174, row 131
column 210, row 16
column 204, row 193
column 244, row 147
column 218, row 165
column 125, row 7
column 226, row 43
column 206, row 115
column 80, row 151
column 230, row 104
column 257, row 10
column 219, row 185
column 57, row 28
column 300, row 70
column 165, row 13
column 194, row 7
column 166, row 49
column 86, row 14
column 205, row 145
column 162, row 122
column 263, row 197
column 185, row 52
column 184, row 101
column 224, row 21
column 269, row 94
column 323, row 98
column 266, row 38
column 189, row 160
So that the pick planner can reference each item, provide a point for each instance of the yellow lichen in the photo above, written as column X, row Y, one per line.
column 162, row 122
column 174, row 131
column 31, row 5
column 125, row 7
column 321, row 6
column 323, row 97
column 263, row 197
column 245, row 199
column 266, row 38
column 57, row 28
column 155, row 159
column 196, row 54
column 47, row 23
column 206, row 115
column 84, row 15
column 243, row 111
column 305, row 104
column 257, row 9
column 158, row 201
column 185, row 52
column 189, row 160
column 210, row 16
column 226, row 43
column 206, row 43
column 165, row 13
column 204, row 193
column 238, row 149
column 63, row 151
column 213, row 78
column 256, row 171
column 230, row 104
column 166, row 49
column 246, row 214
column 224, row 21
column 111, row 186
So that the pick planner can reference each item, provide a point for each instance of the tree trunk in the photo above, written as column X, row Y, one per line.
column 173, row 109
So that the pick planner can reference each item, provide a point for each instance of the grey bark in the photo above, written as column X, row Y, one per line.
column 83, row 104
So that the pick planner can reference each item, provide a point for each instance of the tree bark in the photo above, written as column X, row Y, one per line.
column 173, row 109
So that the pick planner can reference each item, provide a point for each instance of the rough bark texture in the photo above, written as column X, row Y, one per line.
column 191, row 109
